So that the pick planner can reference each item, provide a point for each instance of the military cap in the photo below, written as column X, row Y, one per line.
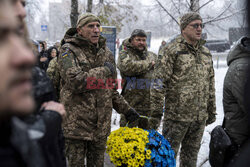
column 188, row 18
column 138, row 32
column 86, row 18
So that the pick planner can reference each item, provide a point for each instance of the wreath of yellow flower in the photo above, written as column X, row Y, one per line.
column 127, row 146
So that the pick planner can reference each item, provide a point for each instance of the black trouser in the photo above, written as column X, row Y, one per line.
column 231, row 154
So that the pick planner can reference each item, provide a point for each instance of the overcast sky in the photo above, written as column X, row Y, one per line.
column 218, row 3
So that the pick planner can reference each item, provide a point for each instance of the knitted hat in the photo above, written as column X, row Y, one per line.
column 86, row 18
column 138, row 32
column 188, row 18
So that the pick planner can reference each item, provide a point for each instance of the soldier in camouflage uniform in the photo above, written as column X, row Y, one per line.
column 186, row 69
column 136, row 63
column 85, row 65
column 161, row 49
column 54, row 75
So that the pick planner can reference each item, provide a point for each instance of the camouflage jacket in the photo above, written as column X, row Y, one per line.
column 85, row 91
column 187, row 76
column 136, row 70
column 161, row 50
column 54, row 74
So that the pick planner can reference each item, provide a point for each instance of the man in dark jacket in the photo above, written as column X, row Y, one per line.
column 43, row 58
column 236, row 116
column 243, row 159
column 44, row 124
column 16, row 147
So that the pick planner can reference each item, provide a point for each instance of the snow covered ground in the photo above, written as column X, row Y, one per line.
column 204, row 150
column 219, row 79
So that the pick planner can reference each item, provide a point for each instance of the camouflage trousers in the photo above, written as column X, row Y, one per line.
column 140, row 123
column 189, row 135
column 77, row 151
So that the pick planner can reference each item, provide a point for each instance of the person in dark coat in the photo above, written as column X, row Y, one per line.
column 43, row 125
column 52, row 53
column 235, row 113
column 43, row 58
column 49, row 121
column 243, row 159
column 17, row 149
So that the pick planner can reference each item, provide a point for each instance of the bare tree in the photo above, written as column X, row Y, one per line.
column 194, row 5
column 115, row 13
column 59, row 21
column 90, row 4
column 172, row 17
column 33, row 9
column 74, row 13
column 203, row 5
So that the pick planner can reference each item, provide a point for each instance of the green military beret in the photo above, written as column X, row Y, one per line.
column 188, row 18
column 86, row 18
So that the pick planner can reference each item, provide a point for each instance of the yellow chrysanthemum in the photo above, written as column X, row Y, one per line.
column 148, row 154
column 127, row 146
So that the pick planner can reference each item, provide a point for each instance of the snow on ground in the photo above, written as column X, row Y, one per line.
column 220, row 71
column 204, row 150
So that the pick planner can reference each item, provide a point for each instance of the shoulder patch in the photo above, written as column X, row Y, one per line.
column 124, row 47
column 67, row 60
column 64, row 54
column 123, row 55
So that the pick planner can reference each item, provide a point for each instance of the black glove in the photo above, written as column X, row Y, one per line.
column 132, row 115
column 110, row 66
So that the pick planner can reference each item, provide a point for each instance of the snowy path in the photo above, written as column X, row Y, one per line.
column 204, row 150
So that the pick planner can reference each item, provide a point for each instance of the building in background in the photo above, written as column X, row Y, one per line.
column 59, row 22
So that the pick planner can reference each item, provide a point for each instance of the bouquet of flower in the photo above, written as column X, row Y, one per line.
column 127, row 147
column 162, row 154
column 135, row 147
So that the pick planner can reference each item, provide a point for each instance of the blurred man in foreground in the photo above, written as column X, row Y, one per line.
column 16, row 146
column 44, row 123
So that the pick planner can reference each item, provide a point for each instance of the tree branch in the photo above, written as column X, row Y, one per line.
column 189, row 5
column 167, row 11
column 217, row 17
column 204, row 5
column 222, row 18
column 90, row 5
column 176, row 6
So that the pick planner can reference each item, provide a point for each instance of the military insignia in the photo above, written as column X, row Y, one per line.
column 124, row 47
column 66, row 60
column 64, row 55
